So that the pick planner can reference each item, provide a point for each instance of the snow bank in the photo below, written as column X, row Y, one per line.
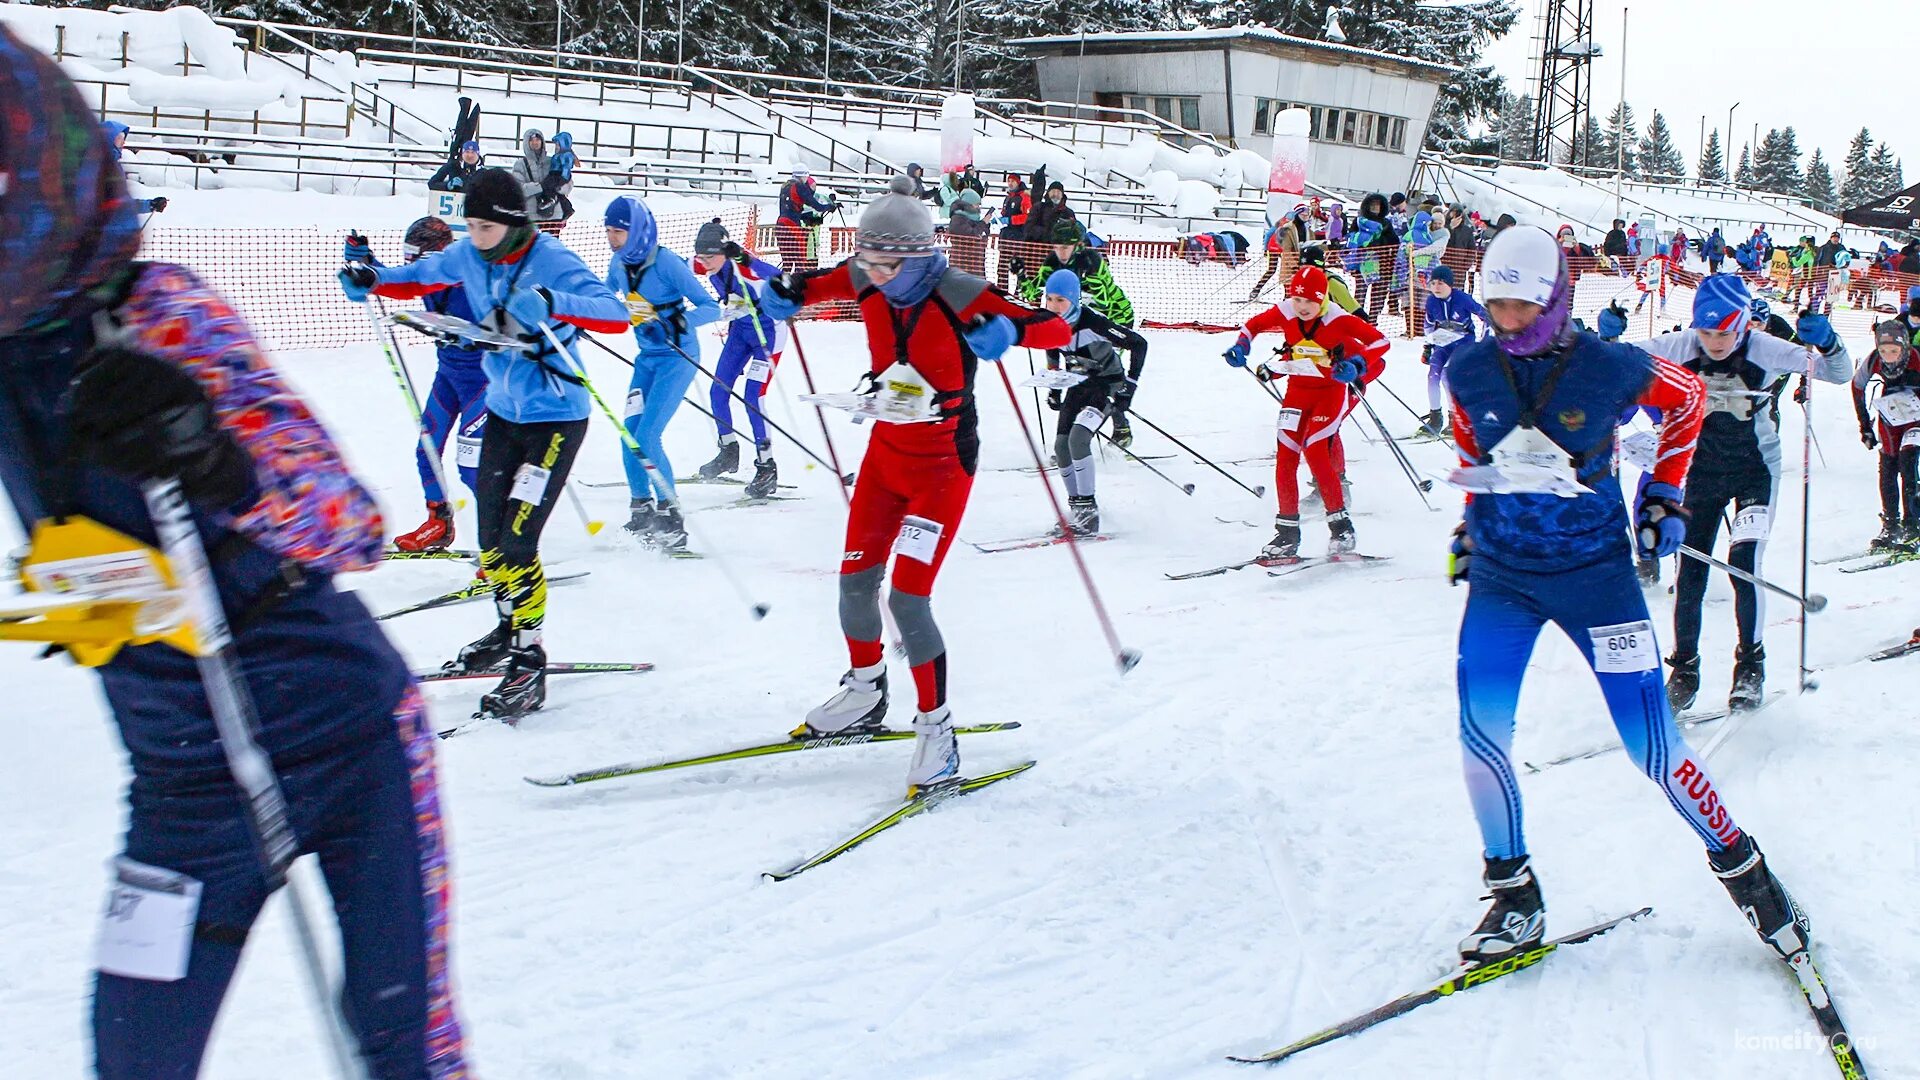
column 207, row 92
column 155, row 40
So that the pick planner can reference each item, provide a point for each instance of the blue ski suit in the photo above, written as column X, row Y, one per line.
column 750, row 337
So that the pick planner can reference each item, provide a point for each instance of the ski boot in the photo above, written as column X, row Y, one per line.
column 1683, row 682
column 1433, row 425
column 1342, row 541
column 1892, row 535
column 434, row 534
column 669, row 531
column 726, row 462
column 1083, row 518
column 485, row 653
column 1749, row 677
column 1649, row 571
column 640, row 517
column 523, row 690
column 856, row 709
column 1769, row 908
column 766, row 475
column 1122, row 432
column 936, row 753
column 1286, row 539
column 1516, row 921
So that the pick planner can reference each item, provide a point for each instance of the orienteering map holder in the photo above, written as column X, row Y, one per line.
column 454, row 330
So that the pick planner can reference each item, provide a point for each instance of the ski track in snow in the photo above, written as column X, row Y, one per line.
column 1259, row 832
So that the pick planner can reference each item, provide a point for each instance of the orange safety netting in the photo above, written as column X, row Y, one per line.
column 282, row 280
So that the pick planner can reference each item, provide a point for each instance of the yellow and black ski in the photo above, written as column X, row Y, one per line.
column 916, row 805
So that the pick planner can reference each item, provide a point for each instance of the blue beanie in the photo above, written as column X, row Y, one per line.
column 1721, row 302
column 620, row 214
column 1913, row 293
column 1066, row 285
column 1441, row 275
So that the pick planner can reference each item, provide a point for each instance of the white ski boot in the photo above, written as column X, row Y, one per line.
column 856, row 709
column 936, row 753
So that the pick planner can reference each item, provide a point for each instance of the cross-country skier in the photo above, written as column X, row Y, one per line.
column 1347, row 352
column 114, row 372
column 1100, row 291
column 519, row 280
column 1891, row 424
column 1736, row 467
column 1094, row 351
column 1546, row 395
column 752, row 349
column 658, row 287
column 927, row 326
column 457, row 400
column 1450, row 315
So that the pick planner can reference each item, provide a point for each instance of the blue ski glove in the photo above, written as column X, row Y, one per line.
column 1459, row 555
column 1816, row 330
column 992, row 337
column 1660, row 521
column 530, row 307
column 1347, row 369
column 780, row 300
column 1612, row 322
column 358, row 282
column 356, row 250
column 1238, row 352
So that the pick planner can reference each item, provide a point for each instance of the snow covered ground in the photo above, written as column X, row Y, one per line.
column 1258, row 832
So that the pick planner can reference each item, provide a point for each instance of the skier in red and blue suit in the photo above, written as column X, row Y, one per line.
column 1542, row 389
column 114, row 372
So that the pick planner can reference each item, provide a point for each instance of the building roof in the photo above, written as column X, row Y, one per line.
column 1058, row 43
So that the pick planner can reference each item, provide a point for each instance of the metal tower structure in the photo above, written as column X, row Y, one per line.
column 1563, row 97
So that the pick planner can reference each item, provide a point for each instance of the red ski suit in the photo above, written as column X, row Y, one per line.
column 924, row 470
column 1315, row 405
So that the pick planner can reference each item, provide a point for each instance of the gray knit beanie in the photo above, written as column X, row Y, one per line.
column 897, row 223
column 710, row 239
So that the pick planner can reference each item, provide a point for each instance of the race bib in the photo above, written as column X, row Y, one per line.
column 1752, row 524
column 530, row 484
column 147, row 930
column 1090, row 418
column 640, row 309
column 636, row 403
column 759, row 370
column 1911, row 439
column 1310, row 353
column 466, row 452
column 1289, row 420
column 1624, row 648
column 919, row 538
column 1899, row 409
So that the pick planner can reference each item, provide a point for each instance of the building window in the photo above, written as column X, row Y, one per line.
column 1374, row 131
column 1184, row 111
column 1347, row 125
column 1399, row 135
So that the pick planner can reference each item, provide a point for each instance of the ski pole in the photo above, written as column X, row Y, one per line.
column 1808, row 602
column 382, row 331
column 1420, row 487
column 237, row 722
column 1186, row 488
column 1258, row 491
column 758, row 608
column 1806, row 514
column 586, row 520
column 1124, row 658
column 845, row 478
column 1039, row 418
column 1418, row 418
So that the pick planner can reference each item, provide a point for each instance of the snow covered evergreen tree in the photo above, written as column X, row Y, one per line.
column 1743, row 176
column 1776, row 167
column 1888, row 176
column 1859, row 184
column 1620, row 151
column 1591, row 149
column 1713, row 165
column 1515, row 128
column 1660, row 160
column 1817, row 189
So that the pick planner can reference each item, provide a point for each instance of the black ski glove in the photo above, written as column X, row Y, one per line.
column 1123, row 397
column 1868, row 437
column 1053, row 400
column 138, row 415
column 735, row 253
column 159, row 203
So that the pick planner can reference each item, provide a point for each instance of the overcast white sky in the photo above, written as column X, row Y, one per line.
column 1826, row 68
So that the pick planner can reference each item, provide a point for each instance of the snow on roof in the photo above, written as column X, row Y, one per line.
column 1228, row 33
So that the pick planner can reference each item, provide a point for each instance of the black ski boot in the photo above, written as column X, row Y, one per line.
column 1342, row 540
column 1892, row 535
column 1649, row 571
column 640, row 517
column 1286, row 539
column 1122, row 432
column 1683, row 681
column 1749, row 677
column 1083, row 515
column 486, row 653
column 1769, row 908
column 766, row 475
column 1432, row 424
column 669, row 531
column 1516, row 921
column 725, row 463
column 522, row 691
